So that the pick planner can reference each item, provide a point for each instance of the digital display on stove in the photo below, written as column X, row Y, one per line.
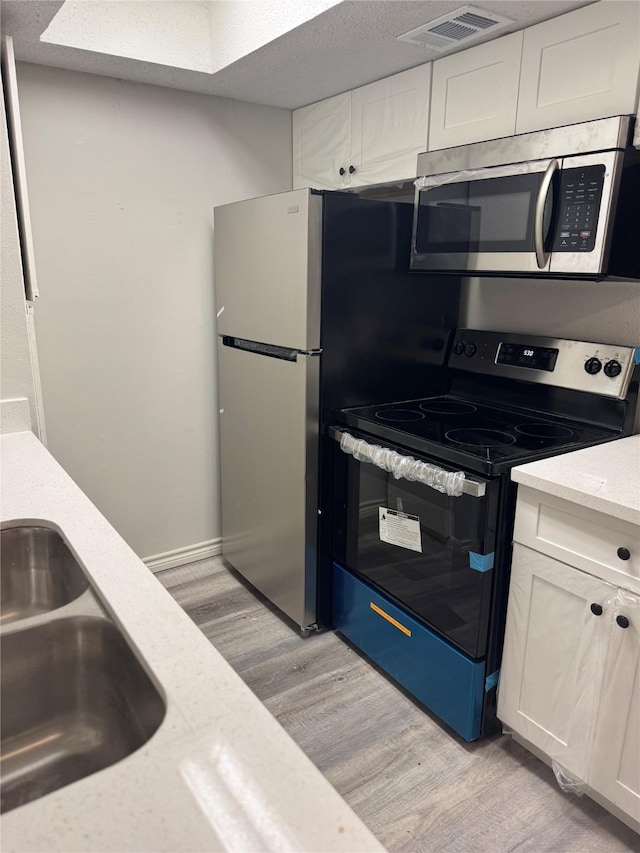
column 523, row 355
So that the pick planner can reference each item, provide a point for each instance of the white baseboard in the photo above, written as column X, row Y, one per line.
column 182, row 556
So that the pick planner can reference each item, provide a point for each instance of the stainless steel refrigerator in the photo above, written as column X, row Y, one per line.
column 316, row 311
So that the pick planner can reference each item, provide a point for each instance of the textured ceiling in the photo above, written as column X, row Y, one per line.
column 348, row 45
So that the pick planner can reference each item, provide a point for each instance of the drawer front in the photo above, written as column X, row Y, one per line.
column 579, row 536
column 442, row 678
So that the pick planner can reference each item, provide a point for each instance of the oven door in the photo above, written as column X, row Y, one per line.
column 497, row 219
column 429, row 552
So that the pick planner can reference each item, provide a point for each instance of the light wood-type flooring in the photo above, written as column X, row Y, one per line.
column 417, row 786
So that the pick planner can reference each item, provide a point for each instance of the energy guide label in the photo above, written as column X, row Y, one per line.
column 398, row 528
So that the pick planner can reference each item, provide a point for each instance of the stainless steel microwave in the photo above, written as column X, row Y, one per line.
column 561, row 202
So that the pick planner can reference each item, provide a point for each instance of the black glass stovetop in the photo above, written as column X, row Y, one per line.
column 488, row 439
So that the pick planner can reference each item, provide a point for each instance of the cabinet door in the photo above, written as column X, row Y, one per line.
column 475, row 93
column 321, row 138
column 580, row 66
column 615, row 763
column 554, row 656
column 389, row 121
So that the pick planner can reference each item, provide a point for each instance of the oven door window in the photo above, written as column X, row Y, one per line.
column 420, row 556
column 478, row 216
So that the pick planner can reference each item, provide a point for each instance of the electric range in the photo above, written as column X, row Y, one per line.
column 424, row 505
column 489, row 439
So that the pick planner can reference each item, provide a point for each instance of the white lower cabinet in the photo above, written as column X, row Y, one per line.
column 570, row 677
column 554, row 653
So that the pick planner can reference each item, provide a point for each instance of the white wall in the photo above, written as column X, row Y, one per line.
column 16, row 373
column 123, row 178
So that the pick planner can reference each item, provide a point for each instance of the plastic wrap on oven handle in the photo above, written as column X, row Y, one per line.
column 404, row 467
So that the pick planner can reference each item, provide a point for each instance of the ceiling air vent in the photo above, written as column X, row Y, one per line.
column 460, row 27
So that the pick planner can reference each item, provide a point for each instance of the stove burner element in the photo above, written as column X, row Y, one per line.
column 447, row 407
column 480, row 437
column 544, row 431
column 399, row 415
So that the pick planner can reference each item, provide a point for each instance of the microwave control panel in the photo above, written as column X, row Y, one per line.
column 579, row 206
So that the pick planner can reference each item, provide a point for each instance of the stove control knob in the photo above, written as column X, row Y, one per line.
column 612, row 368
column 470, row 349
column 593, row 365
column 458, row 347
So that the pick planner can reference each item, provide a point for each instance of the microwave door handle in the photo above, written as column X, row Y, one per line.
column 542, row 256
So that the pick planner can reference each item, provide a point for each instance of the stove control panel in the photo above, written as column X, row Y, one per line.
column 527, row 355
column 580, row 365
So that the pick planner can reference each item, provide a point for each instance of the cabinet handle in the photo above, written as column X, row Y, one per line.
column 624, row 553
column 342, row 170
column 622, row 621
column 352, row 169
column 596, row 609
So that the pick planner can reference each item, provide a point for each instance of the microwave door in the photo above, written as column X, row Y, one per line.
column 587, row 195
column 454, row 224
column 508, row 211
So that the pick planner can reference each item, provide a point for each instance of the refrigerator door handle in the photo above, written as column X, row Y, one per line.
column 271, row 350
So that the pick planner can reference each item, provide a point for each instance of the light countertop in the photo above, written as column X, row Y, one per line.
column 605, row 478
column 220, row 773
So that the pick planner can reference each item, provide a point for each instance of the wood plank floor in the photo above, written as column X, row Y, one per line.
column 417, row 786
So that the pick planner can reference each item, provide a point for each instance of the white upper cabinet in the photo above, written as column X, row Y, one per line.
column 321, row 144
column 580, row 66
column 373, row 134
column 475, row 93
column 389, row 124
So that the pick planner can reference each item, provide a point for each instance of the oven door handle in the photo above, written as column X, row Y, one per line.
column 368, row 452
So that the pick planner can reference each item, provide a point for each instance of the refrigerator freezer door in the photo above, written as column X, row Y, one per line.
column 267, row 269
column 269, row 472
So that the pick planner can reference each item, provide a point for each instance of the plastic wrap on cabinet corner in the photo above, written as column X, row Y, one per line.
column 567, row 782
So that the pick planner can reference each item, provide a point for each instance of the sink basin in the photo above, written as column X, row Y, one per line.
column 74, row 700
column 38, row 573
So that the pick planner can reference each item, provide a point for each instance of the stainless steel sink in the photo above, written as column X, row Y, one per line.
column 38, row 573
column 74, row 700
